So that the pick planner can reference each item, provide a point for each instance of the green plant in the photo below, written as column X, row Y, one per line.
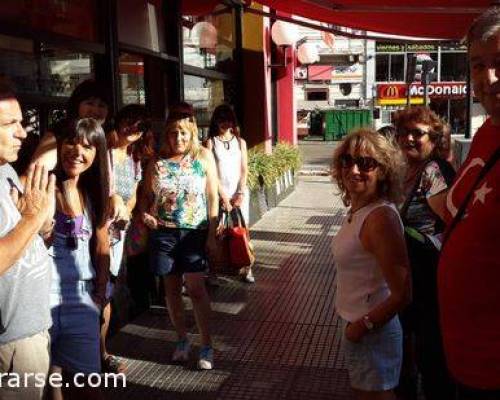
column 266, row 168
column 287, row 157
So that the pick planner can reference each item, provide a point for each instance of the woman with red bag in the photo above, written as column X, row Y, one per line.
column 230, row 152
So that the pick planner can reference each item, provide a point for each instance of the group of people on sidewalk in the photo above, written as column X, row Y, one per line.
column 417, row 254
column 66, row 227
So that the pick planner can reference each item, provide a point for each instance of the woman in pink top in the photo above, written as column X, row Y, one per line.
column 371, row 261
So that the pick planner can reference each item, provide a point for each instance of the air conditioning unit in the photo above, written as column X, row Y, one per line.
column 300, row 73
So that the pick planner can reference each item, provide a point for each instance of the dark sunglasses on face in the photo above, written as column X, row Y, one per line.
column 416, row 133
column 365, row 164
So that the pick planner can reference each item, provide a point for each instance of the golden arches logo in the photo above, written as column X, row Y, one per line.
column 391, row 92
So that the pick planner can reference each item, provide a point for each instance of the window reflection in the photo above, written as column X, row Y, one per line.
column 209, row 40
column 206, row 94
column 132, row 79
column 42, row 69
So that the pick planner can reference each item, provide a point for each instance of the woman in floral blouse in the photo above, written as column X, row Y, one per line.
column 425, row 141
column 181, row 208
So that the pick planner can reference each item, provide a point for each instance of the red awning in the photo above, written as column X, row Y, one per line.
column 422, row 18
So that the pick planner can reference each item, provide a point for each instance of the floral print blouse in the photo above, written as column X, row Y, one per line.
column 179, row 194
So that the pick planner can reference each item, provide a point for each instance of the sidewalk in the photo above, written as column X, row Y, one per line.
column 317, row 157
column 277, row 339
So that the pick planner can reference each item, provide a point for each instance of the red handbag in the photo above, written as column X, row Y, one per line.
column 241, row 252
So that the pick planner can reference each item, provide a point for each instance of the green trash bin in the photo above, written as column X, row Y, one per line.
column 338, row 123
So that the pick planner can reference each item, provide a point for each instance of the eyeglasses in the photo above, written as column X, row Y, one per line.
column 365, row 164
column 416, row 133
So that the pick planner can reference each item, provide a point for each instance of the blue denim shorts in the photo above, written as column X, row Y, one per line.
column 177, row 251
column 75, row 329
column 374, row 363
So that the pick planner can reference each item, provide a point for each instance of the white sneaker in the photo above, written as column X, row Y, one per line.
column 181, row 352
column 206, row 360
column 249, row 278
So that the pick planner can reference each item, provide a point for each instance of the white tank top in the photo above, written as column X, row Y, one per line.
column 228, row 157
column 360, row 283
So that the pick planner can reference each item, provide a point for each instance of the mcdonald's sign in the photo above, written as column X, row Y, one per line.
column 391, row 91
column 395, row 93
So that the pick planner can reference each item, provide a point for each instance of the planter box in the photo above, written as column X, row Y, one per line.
column 263, row 199
column 258, row 205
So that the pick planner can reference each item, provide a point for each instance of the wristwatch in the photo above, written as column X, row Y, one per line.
column 368, row 323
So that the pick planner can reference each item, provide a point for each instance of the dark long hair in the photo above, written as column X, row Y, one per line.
column 84, row 91
column 131, row 114
column 94, row 182
column 223, row 113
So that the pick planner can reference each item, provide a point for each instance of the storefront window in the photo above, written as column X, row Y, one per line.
column 132, row 79
column 382, row 67
column 205, row 94
column 77, row 19
column 397, row 71
column 209, row 40
column 389, row 67
column 141, row 24
column 453, row 66
column 41, row 69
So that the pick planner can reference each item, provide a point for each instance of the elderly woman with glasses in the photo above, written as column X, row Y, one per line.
column 372, row 265
column 425, row 142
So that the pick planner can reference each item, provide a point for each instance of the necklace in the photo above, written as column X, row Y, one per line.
column 226, row 141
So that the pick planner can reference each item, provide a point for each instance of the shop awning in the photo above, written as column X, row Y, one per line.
column 421, row 18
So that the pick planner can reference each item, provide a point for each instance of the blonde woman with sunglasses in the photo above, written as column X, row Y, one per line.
column 371, row 261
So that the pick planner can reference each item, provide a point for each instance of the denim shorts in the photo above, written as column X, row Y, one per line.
column 75, row 329
column 177, row 251
column 374, row 363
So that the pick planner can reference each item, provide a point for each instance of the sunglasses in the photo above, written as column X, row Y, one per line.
column 415, row 132
column 365, row 164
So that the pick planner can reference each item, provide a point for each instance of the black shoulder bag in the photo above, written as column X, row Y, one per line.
column 424, row 258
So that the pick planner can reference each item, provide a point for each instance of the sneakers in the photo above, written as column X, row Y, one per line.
column 181, row 352
column 248, row 277
column 206, row 360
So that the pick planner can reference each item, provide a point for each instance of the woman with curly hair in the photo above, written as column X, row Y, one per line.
column 425, row 142
column 371, row 260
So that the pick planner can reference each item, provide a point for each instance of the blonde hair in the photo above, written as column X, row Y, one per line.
column 367, row 142
column 187, row 124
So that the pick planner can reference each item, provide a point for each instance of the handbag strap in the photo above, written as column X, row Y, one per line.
column 448, row 174
column 463, row 206
column 237, row 217
column 406, row 204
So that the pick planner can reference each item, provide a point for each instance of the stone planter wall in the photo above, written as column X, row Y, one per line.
column 263, row 199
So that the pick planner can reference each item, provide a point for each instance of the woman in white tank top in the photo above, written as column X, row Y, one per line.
column 230, row 152
column 371, row 261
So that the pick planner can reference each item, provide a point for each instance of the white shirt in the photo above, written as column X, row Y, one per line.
column 360, row 283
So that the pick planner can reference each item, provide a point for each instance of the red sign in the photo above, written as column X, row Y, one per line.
column 319, row 72
column 448, row 90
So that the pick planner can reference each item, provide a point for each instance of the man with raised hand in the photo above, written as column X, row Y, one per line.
column 24, row 263
column 469, row 268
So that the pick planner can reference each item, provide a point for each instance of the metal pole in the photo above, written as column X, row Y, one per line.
column 468, row 106
column 426, row 97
